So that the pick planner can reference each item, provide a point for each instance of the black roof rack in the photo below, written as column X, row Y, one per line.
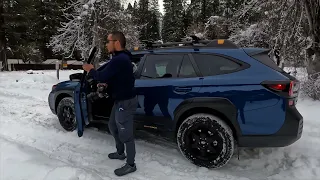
column 194, row 42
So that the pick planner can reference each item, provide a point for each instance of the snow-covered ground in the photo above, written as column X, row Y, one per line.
column 33, row 146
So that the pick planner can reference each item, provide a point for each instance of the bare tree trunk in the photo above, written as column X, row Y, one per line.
column 312, row 8
column 96, row 41
column 3, row 57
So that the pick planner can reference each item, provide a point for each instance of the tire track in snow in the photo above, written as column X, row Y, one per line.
column 67, row 165
column 90, row 156
column 19, row 96
column 34, row 135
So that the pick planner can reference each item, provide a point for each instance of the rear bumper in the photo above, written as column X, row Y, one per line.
column 289, row 133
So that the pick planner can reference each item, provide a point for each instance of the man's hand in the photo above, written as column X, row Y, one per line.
column 87, row 67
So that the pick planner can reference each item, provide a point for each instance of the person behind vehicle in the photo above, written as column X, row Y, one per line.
column 119, row 77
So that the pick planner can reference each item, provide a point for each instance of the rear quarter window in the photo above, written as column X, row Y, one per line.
column 266, row 60
column 210, row 65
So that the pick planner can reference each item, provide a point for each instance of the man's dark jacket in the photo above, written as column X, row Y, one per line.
column 118, row 74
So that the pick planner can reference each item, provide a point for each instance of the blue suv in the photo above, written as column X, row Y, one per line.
column 208, row 97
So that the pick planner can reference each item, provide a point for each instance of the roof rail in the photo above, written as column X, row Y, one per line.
column 195, row 42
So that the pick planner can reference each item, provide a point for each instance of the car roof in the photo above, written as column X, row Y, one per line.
column 195, row 45
column 190, row 49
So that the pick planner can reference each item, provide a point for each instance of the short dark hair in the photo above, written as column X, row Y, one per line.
column 117, row 35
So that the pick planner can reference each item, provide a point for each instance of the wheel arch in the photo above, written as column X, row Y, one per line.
column 60, row 96
column 220, row 107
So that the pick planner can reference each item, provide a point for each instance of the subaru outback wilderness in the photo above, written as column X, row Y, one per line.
column 208, row 97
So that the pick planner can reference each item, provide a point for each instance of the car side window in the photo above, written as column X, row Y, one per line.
column 187, row 70
column 210, row 65
column 161, row 66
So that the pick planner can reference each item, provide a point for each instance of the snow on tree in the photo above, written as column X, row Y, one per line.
column 217, row 27
column 291, row 27
column 312, row 11
column 89, row 24
column 278, row 25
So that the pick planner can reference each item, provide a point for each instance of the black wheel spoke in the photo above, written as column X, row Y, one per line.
column 203, row 136
column 65, row 110
column 203, row 152
column 195, row 137
column 211, row 149
column 194, row 145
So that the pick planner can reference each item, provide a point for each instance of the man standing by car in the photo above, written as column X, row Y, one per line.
column 119, row 77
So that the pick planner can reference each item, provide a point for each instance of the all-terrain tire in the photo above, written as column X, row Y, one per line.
column 67, row 103
column 222, row 132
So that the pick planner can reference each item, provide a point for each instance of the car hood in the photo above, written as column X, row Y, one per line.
column 70, row 85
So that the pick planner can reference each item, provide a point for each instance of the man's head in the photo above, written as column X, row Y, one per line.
column 116, row 42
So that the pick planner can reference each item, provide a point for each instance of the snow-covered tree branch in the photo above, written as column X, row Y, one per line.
column 88, row 26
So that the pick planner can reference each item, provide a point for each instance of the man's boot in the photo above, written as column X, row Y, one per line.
column 125, row 169
column 115, row 155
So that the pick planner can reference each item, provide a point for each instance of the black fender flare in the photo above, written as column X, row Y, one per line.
column 222, row 105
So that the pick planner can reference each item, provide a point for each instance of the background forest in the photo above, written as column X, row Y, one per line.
column 42, row 29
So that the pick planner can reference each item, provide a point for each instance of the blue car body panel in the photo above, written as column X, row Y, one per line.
column 159, row 98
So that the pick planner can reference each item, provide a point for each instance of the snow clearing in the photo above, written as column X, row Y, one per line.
column 34, row 146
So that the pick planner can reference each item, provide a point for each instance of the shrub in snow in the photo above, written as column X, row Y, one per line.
column 217, row 27
column 310, row 86
column 34, row 72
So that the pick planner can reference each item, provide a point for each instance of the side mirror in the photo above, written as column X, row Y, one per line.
column 75, row 77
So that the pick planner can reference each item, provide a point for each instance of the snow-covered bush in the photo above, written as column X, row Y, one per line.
column 255, row 35
column 30, row 53
column 217, row 27
column 310, row 86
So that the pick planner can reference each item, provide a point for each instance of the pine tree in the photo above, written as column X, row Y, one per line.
column 135, row 8
column 153, row 27
column 173, row 20
column 20, row 24
column 3, row 42
column 143, row 16
column 130, row 8
column 29, row 25
column 49, row 17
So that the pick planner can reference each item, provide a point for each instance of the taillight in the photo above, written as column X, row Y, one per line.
column 277, row 87
column 294, row 88
column 289, row 89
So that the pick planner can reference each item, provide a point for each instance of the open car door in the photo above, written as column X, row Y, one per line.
column 80, row 99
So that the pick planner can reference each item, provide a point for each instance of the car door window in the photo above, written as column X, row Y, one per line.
column 210, row 65
column 161, row 66
column 187, row 70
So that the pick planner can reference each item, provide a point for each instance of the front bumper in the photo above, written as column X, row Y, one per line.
column 288, row 134
column 51, row 101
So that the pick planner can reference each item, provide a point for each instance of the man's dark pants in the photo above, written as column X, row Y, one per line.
column 121, row 126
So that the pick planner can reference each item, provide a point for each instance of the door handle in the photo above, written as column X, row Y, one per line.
column 182, row 89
